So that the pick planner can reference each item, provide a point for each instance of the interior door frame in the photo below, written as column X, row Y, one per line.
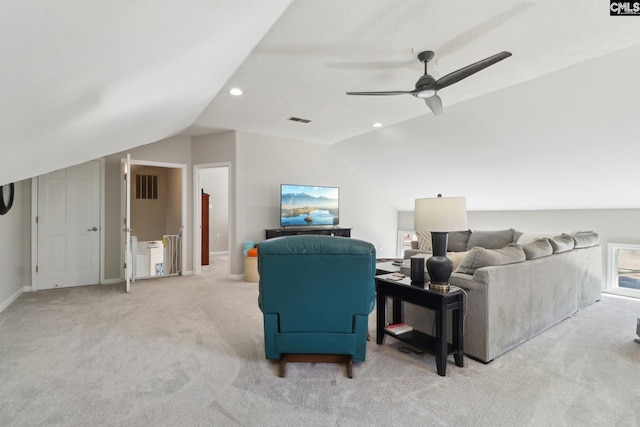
column 184, row 219
column 34, row 226
column 197, row 220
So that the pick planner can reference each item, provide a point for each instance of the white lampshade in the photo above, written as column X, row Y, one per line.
column 440, row 214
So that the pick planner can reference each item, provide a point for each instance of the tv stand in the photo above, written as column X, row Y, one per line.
column 293, row 231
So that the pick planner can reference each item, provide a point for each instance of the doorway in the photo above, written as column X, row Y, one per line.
column 212, row 222
column 157, row 203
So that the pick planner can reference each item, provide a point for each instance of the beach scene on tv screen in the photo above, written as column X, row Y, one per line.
column 307, row 205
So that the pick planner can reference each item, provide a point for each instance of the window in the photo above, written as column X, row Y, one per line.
column 147, row 187
column 404, row 242
column 624, row 269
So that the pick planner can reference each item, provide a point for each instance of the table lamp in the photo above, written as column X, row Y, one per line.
column 440, row 215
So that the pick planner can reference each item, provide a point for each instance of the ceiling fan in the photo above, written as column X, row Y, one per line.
column 427, row 87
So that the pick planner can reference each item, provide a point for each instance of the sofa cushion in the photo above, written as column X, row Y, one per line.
column 562, row 243
column 525, row 238
column 456, row 258
column 424, row 241
column 457, row 241
column 584, row 239
column 537, row 249
column 494, row 239
column 479, row 257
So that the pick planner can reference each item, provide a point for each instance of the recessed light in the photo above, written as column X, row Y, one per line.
column 377, row 125
column 235, row 91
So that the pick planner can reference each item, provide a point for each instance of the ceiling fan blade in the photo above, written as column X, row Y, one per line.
column 372, row 65
column 465, row 72
column 435, row 103
column 392, row 92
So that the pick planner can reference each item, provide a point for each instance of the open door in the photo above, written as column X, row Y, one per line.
column 128, row 259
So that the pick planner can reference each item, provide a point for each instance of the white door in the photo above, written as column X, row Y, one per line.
column 68, row 227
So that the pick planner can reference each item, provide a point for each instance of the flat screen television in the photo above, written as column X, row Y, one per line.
column 305, row 205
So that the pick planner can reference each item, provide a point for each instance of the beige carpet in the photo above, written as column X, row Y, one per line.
column 188, row 352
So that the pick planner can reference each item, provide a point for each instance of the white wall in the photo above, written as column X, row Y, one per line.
column 613, row 225
column 220, row 148
column 15, row 256
column 263, row 163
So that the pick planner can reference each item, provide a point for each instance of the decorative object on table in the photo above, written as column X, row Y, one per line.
column 6, row 198
column 246, row 246
column 439, row 216
column 417, row 270
column 398, row 328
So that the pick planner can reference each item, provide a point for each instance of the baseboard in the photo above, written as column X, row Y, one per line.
column 219, row 253
column 236, row 276
column 11, row 299
column 111, row 282
column 187, row 273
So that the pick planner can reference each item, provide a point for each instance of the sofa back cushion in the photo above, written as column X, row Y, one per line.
column 457, row 240
column 562, row 243
column 494, row 239
column 584, row 239
column 479, row 257
column 537, row 249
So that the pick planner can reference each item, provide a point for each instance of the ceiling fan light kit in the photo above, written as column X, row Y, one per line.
column 427, row 87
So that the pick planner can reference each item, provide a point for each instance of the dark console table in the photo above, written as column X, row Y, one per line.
column 441, row 303
column 292, row 231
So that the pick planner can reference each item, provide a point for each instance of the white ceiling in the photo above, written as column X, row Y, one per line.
column 318, row 50
column 81, row 80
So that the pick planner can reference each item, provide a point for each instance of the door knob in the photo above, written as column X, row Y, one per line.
column 92, row 229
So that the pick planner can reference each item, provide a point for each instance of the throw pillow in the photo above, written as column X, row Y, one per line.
column 456, row 258
column 562, row 243
column 494, row 239
column 457, row 240
column 537, row 249
column 424, row 241
column 584, row 239
column 479, row 257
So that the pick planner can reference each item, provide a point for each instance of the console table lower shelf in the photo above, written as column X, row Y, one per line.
column 442, row 303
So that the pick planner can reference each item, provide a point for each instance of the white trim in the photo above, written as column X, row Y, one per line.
column 612, row 270
column 187, row 273
column 237, row 277
column 103, row 249
column 34, row 233
column 11, row 299
column 111, row 282
column 219, row 253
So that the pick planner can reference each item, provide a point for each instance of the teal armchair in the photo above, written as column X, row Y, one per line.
column 316, row 293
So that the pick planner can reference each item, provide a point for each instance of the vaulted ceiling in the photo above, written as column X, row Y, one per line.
column 81, row 80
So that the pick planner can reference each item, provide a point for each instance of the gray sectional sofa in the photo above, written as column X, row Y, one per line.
column 517, row 286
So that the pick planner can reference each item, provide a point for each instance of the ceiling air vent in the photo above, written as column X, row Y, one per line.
column 298, row 119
